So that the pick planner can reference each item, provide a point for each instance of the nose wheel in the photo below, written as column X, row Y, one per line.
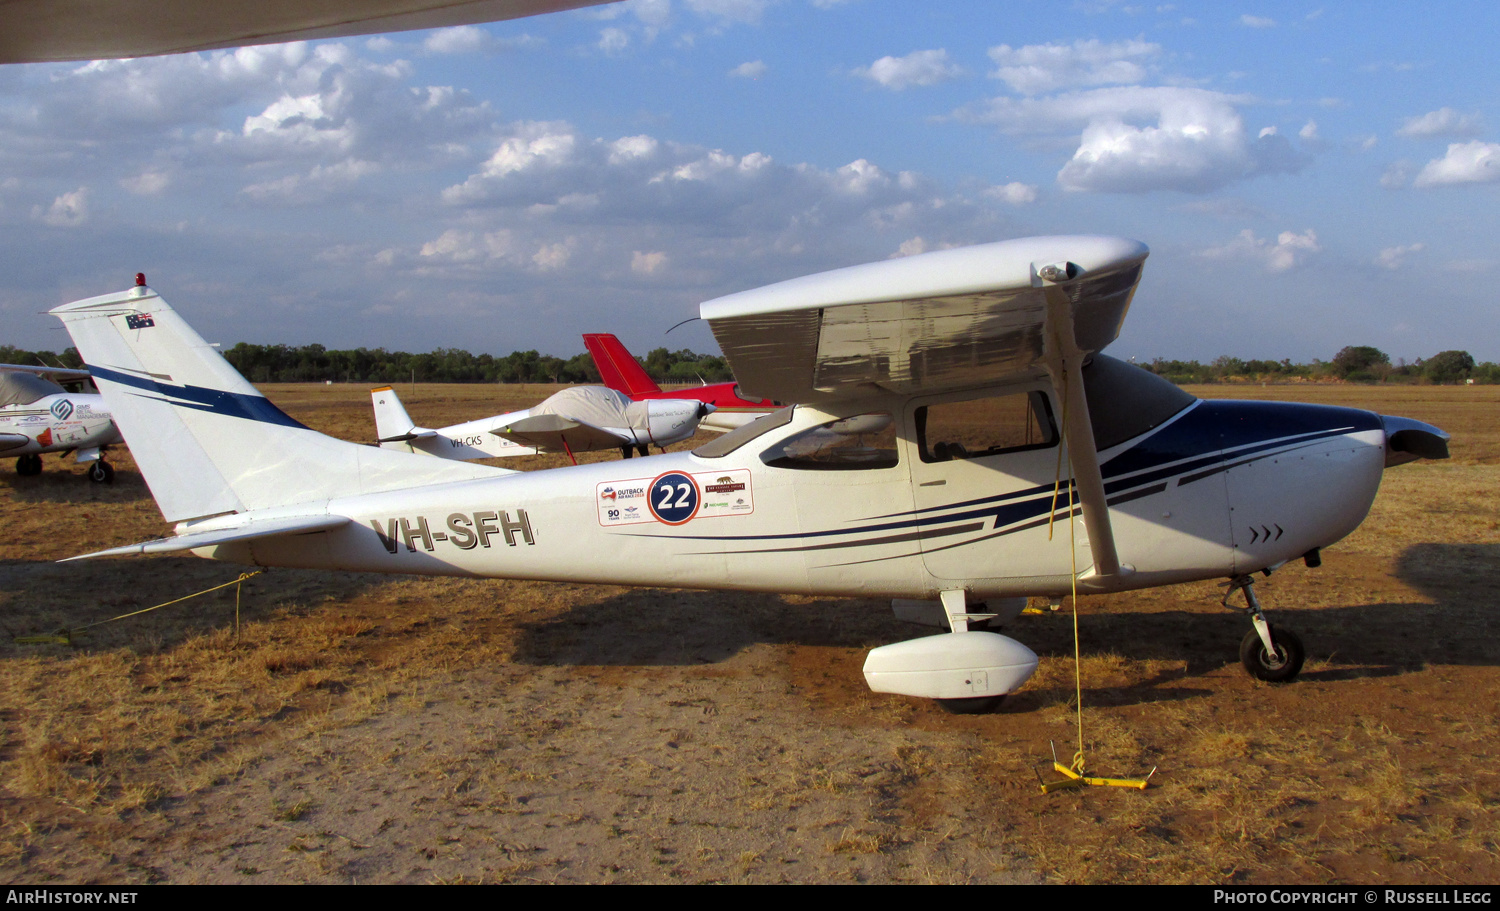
column 101, row 472
column 1267, row 653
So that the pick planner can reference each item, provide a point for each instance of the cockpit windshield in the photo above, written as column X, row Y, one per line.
column 19, row 388
column 1125, row 401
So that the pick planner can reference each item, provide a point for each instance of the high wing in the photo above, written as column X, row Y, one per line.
column 944, row 321
column 55, row 374
column 41, row 30
column 934, row 322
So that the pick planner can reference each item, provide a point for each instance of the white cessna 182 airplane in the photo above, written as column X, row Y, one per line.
column 995, row 416
column 576, row 419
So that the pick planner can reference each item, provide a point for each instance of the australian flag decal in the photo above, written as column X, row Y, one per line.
column 139, row 321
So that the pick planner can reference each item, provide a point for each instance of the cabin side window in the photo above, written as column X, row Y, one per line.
column 984, row 427
column 864, row 441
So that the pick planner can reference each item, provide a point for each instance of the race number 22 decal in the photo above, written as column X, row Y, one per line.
column 674, row 498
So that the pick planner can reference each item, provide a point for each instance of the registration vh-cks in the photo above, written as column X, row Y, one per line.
column 955, row 443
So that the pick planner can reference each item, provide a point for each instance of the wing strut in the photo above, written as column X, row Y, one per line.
column 1064, row 362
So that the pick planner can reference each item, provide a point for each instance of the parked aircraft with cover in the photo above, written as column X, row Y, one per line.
column 620, row 371
column 1011, row 459
column 37, row 415
column 576, row 419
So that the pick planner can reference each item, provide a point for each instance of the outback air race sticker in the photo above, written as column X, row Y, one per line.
column 674, row 498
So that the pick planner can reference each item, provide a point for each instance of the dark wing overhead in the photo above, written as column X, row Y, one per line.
column 40, row 30
column 946, row 320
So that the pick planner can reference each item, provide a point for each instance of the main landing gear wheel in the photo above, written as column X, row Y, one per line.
column 1281, row 667
column 101, row 472
column 29, row 464
column 975, row 705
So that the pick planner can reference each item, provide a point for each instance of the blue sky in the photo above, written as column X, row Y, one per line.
column 1308, row 176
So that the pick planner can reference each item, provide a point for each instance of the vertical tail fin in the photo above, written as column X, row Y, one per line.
column 205, row 439
column 394, row 428
column 617, row 367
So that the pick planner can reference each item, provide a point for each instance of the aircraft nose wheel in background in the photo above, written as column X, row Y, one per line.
column 101, row 472
column 29, row 464
column 1267, row 653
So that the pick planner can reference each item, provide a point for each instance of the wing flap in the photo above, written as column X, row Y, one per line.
column 261, row 528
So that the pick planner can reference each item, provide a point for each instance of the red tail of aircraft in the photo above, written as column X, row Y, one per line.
column 619, row 370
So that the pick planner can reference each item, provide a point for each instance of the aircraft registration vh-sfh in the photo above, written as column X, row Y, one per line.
column 983, row 414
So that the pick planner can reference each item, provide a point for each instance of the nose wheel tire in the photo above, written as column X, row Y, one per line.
column 101, row 472
column 1281, row 667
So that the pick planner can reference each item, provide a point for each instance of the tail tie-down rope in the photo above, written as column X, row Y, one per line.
column 65, row 636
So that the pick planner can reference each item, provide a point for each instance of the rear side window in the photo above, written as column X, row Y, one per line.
column 863, row 441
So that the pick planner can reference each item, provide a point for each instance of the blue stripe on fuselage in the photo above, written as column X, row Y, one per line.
column 1209, row 437
column 201, row 398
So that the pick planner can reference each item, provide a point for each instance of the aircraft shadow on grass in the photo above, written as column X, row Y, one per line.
column 670, row 628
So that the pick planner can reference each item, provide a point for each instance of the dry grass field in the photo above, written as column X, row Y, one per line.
column 360, row 728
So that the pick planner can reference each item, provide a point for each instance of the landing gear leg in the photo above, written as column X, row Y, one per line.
column 1267, row 653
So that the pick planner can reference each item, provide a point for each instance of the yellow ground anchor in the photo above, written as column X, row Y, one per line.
column 1075, row 775
column 65, row 636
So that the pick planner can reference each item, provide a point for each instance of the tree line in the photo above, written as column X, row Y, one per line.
column 316, row 364
column 1353, row 364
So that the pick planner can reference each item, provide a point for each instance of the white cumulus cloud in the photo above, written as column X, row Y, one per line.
column 1138, row 139
column 461, row 39
column 1395, row 257
column 1444, row 122
column 1040, row 68
column 647, row 263
column 753, row 69
column 1466, row 162
column 1288, row 251
column 1014, row 193
column 917, row 68
column 70, row 210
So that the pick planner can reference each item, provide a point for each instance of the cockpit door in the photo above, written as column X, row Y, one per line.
column 983, row 480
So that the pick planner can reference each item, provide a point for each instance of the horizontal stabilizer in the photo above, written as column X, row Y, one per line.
column 264, row 528
column 416, row 433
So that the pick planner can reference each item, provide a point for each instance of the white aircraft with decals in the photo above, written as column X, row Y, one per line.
column 1011, row 460
column 576, row 419
column 37, row 415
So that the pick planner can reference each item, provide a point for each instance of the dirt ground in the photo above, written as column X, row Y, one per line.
column 360, row 728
